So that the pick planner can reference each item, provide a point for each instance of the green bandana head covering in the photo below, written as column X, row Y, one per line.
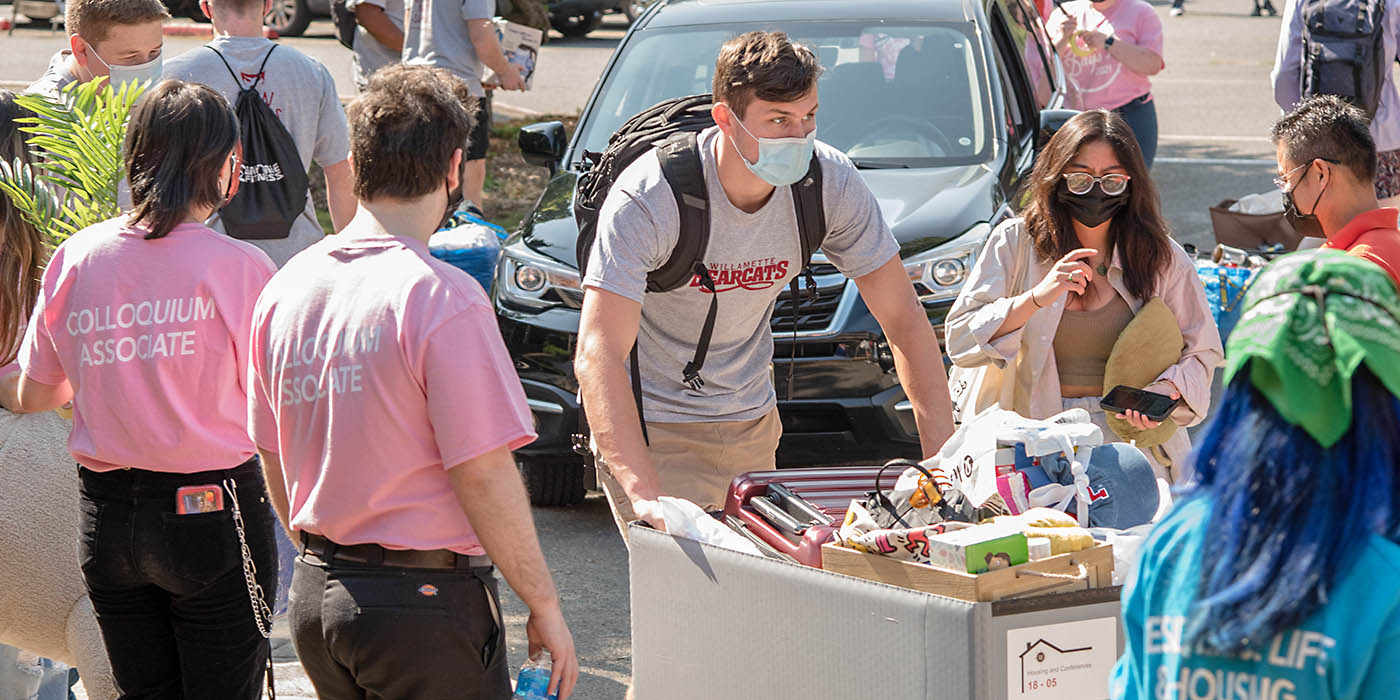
column 1310, row 320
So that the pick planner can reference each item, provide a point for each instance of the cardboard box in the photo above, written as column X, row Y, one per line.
column 521, row 46
column 712, row 623
column 978, row 549
column 1060, row 574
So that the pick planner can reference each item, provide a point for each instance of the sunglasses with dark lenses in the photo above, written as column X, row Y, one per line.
column 1111, row 184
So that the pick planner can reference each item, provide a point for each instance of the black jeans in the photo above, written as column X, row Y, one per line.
column 366, row 632
column 169, row 590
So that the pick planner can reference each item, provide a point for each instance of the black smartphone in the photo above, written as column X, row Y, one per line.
column 1155, row 406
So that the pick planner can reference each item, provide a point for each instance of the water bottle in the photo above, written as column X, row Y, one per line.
column 533, row 681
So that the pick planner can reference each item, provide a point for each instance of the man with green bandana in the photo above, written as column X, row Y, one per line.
column 1278, row 574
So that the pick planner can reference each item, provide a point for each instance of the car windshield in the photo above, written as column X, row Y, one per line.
column 890, row 95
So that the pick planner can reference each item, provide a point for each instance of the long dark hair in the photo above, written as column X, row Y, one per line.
column 1287, row 516
column 177, row 140
column 22, row 251
column 1138, row 231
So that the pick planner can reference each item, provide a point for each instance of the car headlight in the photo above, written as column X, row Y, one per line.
column 938, row 274
column 527, row 278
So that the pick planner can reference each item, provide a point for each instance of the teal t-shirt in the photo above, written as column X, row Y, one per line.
column 1350, row 648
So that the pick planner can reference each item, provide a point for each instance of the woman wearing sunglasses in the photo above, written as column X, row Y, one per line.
column 143, row 322
column 1051, row 291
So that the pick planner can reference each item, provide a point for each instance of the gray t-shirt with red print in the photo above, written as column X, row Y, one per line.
column 751, row 257
column 300, row 92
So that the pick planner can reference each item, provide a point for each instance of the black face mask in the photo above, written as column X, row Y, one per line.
column 1093, row 207
column 454, row 200
column 1305, row 224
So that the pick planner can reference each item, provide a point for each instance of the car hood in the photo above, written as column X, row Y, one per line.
column 924, row 207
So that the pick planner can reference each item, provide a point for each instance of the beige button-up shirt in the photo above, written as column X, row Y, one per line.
column 986, row 299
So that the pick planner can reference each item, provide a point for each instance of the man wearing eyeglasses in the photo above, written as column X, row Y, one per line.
column 1327, row 171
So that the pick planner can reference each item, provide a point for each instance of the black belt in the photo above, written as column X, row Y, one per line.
column 375, row 555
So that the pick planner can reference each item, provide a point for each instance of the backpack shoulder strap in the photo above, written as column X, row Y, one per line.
column 811, row 217
column 681, row 166
column 258, row 79
column 811, row 231
column 236, row 82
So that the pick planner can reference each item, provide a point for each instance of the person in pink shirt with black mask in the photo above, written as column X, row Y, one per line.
column 385, row 408
column 143, row 322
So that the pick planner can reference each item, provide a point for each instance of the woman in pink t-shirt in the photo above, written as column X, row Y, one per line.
column 143, row 323
column 1110, row 48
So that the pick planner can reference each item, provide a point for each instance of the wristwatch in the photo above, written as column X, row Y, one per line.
column 1108, row 42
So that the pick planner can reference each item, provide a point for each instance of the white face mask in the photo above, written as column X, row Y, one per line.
column 139, row 73
column 781, row 162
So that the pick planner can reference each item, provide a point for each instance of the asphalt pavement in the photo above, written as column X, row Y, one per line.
column 1214, row 104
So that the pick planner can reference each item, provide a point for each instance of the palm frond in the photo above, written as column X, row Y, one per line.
column 76, row 141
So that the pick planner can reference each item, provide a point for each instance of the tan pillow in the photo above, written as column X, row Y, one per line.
column 1150, row 344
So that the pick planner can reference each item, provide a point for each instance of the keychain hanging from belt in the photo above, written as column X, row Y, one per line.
column 262, row 614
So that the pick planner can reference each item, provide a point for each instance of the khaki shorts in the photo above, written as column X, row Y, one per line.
column 697, row 461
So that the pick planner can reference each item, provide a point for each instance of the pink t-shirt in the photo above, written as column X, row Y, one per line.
column 1101, row 81
column 380, row 367
column 153, row 338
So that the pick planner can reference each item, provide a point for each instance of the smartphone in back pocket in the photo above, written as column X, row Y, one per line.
column 1152, row 405
column 205, row 498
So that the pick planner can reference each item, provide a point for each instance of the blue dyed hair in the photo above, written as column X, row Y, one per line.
column 1287, row 516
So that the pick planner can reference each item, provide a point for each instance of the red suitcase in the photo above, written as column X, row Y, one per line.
column 828, row 489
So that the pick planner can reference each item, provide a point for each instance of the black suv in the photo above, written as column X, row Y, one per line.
column 287, row 17
column 576, row 18
column 942, row 104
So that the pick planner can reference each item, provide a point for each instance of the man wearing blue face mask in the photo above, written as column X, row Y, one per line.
column 117, row 38
column 699, row 435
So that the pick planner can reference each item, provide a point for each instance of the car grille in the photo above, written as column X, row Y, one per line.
column 813, row 314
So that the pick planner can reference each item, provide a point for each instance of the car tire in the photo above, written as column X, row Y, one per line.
column 634, row 8
column 193, row 12
column 576, row 25
column 289, row 17
column 555, row 482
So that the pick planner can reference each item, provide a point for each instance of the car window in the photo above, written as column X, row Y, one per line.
column 890, row 95
column 1012, row 75
column 1029, row 33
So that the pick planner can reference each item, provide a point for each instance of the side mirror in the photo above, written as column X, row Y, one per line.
column 1050, row 122
column 543, row 144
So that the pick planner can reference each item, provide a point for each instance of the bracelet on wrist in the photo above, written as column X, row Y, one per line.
column 1033, row 301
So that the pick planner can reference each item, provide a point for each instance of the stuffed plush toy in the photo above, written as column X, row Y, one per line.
column 44, row 607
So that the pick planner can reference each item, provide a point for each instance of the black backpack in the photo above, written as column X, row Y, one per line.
column 344, row 20
column 273, row 188
column 672, row 128
column 1344, row 51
